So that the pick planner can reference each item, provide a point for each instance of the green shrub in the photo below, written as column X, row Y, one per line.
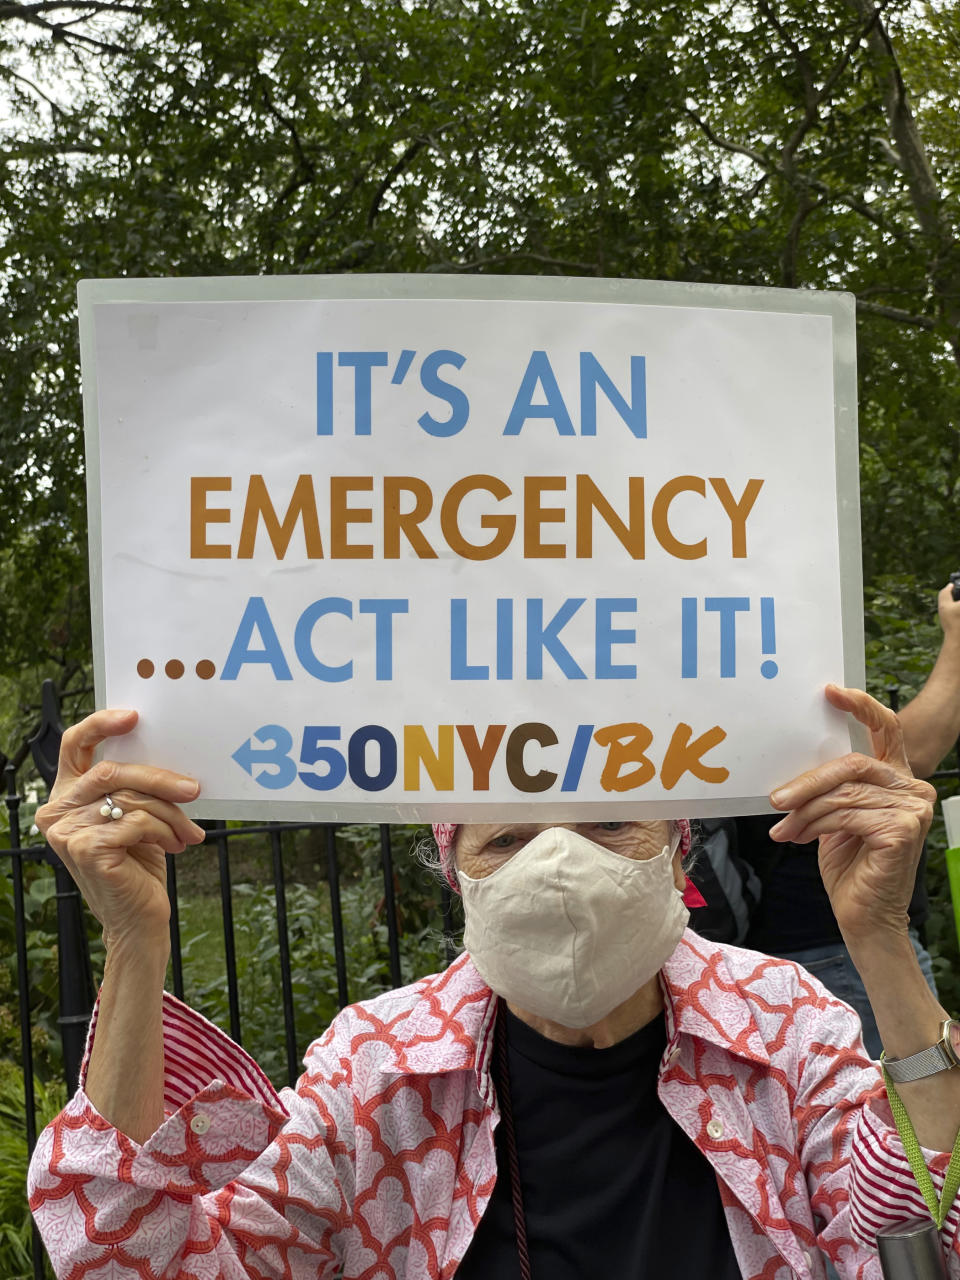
column 941, row 929
column 14, row 1215
column 312, row 953
column 41, row 923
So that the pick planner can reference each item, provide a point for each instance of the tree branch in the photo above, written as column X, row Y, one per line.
column 925, row 195
column 871, row 290
column 303, row 160
column 805, row 206
column 725, row 144
column 59, row 32
column 912, row 155
column 810, row 116
column 796, row 178
column 15, row 75
column 801, row 56
column 894, row 313
column 403, row 162
column 35, row 150
column 307, row 242
column 12, row 9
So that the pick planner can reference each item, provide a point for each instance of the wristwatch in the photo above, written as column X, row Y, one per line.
column 939, row 1057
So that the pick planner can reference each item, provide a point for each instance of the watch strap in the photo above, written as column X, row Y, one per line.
column 938, row 1057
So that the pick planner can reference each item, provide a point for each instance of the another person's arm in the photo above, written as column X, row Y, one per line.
column 931, row 721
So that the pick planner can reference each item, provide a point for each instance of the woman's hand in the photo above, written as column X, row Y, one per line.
column 870, row 814
column 118, row 865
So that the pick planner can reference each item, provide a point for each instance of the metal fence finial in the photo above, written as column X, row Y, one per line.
column 45, row 743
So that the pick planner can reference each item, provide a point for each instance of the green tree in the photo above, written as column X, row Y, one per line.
column 791, row 143
column 798, row 143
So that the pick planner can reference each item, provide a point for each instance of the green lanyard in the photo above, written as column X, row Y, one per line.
column 938, row 1208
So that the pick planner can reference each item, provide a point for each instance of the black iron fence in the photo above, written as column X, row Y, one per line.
column 74, row 969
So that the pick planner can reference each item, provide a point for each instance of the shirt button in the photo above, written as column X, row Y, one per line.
column 715, row 1129
column 673, row 1055
column 808, row 1258
column 200, row 1123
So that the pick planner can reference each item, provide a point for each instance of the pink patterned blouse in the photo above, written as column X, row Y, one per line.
column 381, row 1162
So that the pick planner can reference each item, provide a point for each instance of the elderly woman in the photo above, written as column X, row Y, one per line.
column 588, row 1091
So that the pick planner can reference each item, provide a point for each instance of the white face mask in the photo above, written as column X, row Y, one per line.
column 568, row 930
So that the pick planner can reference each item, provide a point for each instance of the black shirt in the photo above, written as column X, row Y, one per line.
column 794, row 912
column 612, row 1186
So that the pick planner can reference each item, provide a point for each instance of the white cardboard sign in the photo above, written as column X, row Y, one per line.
column 401, row 548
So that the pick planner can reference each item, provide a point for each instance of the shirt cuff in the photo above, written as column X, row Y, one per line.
column 883, row 1189
column 196, row 1052
column 221, row 1111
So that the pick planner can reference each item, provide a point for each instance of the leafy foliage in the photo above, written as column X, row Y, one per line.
column 797, row 143
column 40, row 919
column 755, row 142
column 312, row 939
column 313, row 962
column 15, row 1228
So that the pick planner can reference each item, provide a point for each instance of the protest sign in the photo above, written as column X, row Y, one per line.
column 408, row 547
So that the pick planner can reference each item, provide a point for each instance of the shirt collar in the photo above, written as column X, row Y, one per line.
column 703, row 999
column 450, row 1026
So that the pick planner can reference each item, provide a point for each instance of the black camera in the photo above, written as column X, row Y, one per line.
column 955, row 583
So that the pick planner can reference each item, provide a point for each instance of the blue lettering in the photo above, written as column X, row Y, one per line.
column 362, row 362
column 324, row 393
column 607, row 637
column 256, row 617
column 431, row 382
column 314, row 751
column 357, row 757
column 303, row 639
column 459, row 667
column 578, row 756
column 688, row 638
column 383, row 611
column 542, row 637
column 593, row 376
column 504, row 639
column 728, row 607
column 539, row 372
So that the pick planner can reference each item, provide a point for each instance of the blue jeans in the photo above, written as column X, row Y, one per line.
column 833, row 966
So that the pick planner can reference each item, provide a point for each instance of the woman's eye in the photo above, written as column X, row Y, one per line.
column 501, row 842
column 611, row 826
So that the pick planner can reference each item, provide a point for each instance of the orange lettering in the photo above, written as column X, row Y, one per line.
column 201, row 515
column 503, row 526
column 683, row 756
column 342, row 516
column 479, row 755
column 661, row 528
column 626, row 744
column 303, row 506
column 737, row 511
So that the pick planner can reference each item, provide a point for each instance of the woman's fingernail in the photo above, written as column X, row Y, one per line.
column 187, row 788
column 776, row 827
column 777, row 797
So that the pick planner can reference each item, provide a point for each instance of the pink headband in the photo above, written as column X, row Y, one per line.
column 445, row 833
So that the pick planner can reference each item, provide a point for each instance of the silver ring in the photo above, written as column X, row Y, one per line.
column 110, row 810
